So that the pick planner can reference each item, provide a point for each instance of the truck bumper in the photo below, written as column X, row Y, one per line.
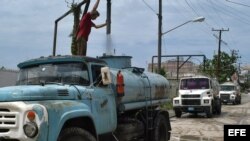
column 227, row 100
column 192, row 109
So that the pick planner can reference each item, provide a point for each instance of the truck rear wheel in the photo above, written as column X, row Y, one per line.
column 161, row 129
column 178, row 113
column 75, row 134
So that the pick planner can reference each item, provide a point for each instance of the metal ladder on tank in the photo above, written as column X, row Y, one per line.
column 149, row 109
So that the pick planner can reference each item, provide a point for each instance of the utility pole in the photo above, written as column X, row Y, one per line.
column 219, row 50
column 159, row 36
column 108, row 31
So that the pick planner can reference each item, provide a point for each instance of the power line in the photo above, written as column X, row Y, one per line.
column 189, row 5
column 216, row 11
column 149, row 7
column 238, row 3
column 230, row 11
column 239, row 11
column 197, row 14
column 233, row 14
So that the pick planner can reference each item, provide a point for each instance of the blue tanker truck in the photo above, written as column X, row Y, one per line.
column 73, row 98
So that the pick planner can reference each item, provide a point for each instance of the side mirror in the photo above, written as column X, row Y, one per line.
column 106, row 77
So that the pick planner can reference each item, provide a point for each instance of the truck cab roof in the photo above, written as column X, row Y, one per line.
column 58, row 59
column 229, row 83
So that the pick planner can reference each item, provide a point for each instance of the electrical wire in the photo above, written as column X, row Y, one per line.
column 221, row 19
column 235, row 11
column 238, row 3
column 217, row 13
column 194, row 11
column 189, row 5
column 149, row 7
column 229, row 9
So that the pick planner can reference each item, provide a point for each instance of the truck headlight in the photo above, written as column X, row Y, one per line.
column 30, row 129
column 206, row 101
column 176, row 102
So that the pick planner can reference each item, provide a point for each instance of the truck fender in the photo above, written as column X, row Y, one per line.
column 73, row 118
column 59, row 120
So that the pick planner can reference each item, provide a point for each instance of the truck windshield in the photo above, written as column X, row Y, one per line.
column 227, row 88
column 66, row 73
column 194, row 83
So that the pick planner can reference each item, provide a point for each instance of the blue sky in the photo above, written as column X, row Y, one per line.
column 26, row 29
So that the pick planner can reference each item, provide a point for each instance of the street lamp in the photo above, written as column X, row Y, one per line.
column 198, row 19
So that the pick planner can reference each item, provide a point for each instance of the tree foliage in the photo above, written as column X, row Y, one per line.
column 227, row 66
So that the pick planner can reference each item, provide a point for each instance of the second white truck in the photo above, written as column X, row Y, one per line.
column 230, row 93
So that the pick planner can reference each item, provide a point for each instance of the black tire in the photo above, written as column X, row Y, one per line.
column 129, row 131
column 234, row 102
column 161, row 131
column 178, row 113
column 209, row 113
column 239, row 100
column 75, row 134
column 218, row 107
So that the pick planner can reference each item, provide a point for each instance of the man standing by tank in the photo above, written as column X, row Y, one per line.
column 84, row 29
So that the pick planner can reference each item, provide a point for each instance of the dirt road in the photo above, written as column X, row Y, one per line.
column 199, row 128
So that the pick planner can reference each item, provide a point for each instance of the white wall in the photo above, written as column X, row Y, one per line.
column 8, row 77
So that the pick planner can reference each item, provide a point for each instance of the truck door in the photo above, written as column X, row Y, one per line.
column 103, row 102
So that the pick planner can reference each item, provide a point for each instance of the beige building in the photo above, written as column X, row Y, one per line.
column 170, row 68
column 7, row 77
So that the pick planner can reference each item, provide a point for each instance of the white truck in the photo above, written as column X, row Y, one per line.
column 230, row 93
column 197, row 94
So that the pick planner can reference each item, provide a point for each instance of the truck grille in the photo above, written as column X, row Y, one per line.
column 8, row 120
column 191, row 96
column 224, row 96
column 191, row 102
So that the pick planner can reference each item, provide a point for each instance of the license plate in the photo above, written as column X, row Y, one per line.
column 190, row 108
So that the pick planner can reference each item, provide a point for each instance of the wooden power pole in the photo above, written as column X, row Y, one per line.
column 159, row 36
column 219, row 51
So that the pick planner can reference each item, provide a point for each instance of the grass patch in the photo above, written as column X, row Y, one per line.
column 167, row 106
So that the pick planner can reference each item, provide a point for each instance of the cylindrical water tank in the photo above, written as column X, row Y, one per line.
column 141, row 88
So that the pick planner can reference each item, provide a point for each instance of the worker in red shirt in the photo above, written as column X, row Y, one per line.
column 84, row 29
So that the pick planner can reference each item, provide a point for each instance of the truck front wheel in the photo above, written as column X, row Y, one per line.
column 75, row 134
column 161, row 129
column 209, row 112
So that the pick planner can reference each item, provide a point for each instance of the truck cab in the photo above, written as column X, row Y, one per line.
column 230, row 93
column 54, row 93
column 197, row 94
